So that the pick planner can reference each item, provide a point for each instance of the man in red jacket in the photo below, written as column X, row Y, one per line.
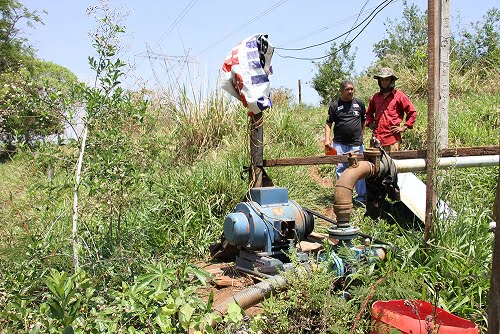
column 386, row 111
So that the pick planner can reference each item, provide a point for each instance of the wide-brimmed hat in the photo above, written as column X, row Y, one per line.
column 385, row 72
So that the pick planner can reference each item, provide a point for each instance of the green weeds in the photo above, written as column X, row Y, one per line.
column 160, row 174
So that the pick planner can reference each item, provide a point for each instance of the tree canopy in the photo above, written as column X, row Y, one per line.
column 337, row 66
column 13, row 45
column 34, row 94
column 405, row 43
column 479, row 46
column 475, row 51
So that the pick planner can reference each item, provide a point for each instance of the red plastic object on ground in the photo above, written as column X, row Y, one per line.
column 329, row 150
column 417, row 317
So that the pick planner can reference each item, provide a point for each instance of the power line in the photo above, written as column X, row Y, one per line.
column 177, row 20
column 345, row 44
column 149, row 54
column 327, row 27
column 243, row 26
column 343, row 34
column 366, row 3
column 155, row 55
column 319, row 30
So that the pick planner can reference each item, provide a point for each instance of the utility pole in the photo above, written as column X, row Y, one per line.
column 445, row 74
column 433, row 106
column 300, row 93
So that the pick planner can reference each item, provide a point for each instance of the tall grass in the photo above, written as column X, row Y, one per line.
column 184, row 160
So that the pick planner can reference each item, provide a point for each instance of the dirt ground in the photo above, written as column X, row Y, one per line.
column 227, row 282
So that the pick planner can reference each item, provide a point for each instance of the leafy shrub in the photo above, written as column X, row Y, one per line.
column 201, row 127
column 281, row 96
column 478, row 48
column 337, row 66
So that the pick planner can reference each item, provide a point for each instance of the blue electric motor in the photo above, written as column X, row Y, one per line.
column 266, row 227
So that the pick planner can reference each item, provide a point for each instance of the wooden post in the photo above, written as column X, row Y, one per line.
column 221, row 96
column 300, row 93
column 433, row 105
column 445, row 75
column 256, row 150
column 494, row 294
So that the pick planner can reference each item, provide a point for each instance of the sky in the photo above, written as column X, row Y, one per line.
column 186, row 41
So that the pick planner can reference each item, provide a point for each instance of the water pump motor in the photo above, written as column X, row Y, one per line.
column 265, row 228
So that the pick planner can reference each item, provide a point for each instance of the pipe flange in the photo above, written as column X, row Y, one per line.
column 340, row 233
column 373, row 155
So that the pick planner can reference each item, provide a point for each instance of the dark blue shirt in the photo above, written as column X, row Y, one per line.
column 348, row 118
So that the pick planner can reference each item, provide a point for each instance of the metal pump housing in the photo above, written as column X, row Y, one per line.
column 266, row 227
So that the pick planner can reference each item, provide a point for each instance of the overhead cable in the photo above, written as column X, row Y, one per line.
column 243, row 26
column 187, row 8
column 360, row 12
column 386, row 2
column 315, row 32
column 177, row 20
column 345, row 45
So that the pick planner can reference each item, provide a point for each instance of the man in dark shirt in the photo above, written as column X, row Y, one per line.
column 348, row 115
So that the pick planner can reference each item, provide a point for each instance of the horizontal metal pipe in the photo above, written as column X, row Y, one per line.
column 418, row 165
column 258, row 292
column 253, row 295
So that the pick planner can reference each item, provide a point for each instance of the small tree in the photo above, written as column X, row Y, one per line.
column 406, row 41
column 480, row 47
column 34, row 101
column 13, row 46
column 105, row 142
column 338, row 66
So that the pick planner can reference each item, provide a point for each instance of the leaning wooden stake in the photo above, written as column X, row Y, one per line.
column 74, row 234
column 300, row 94
column 494, row 294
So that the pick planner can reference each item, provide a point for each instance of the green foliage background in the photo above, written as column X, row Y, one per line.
column 158, row 178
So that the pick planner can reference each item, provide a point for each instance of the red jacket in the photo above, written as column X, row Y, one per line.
column 390, row 112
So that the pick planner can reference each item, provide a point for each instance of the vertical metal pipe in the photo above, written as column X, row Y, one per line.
column 433, row 105
column 256, row 150
column 342, row 206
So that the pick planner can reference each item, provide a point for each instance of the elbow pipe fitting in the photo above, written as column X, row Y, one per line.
column 342, row 205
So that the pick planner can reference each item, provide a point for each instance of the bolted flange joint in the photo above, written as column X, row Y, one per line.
column 352, row 160
column 373, row 155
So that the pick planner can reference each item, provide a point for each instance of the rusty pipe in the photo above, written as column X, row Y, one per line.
column 258, row 292
column 342, row 205
column 253, row 295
